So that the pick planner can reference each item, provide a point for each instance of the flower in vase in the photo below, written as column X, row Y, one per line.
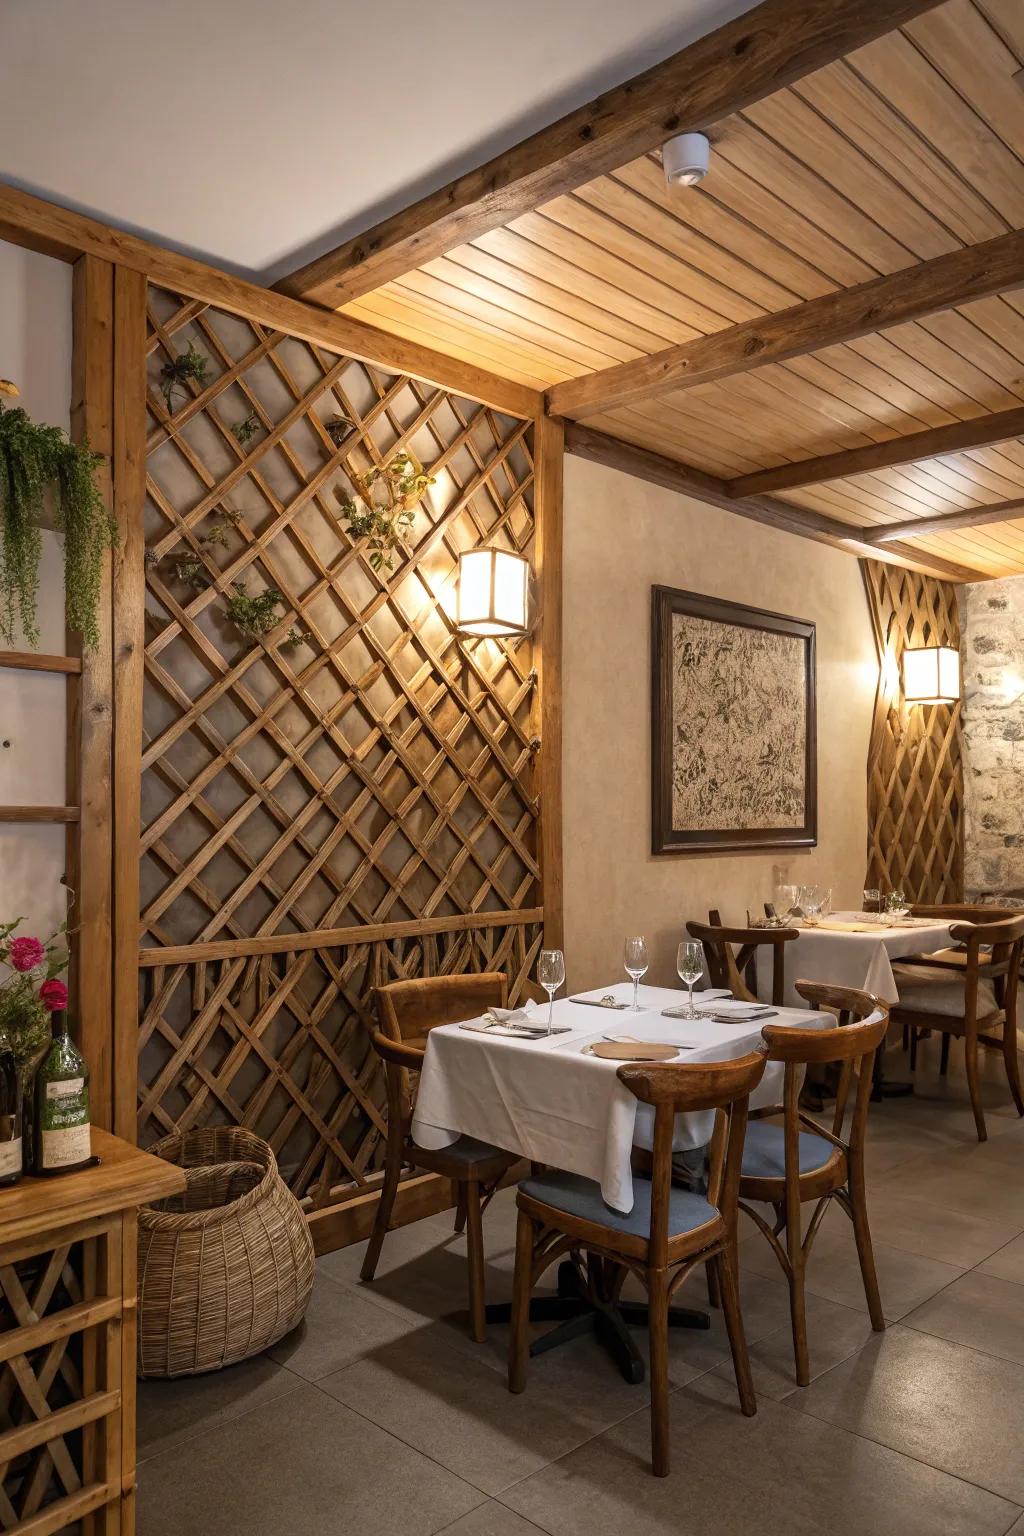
column 53, row 995
column 25, row 954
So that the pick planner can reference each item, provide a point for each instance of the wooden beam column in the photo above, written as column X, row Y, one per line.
column 549, row 459
column 128, row 649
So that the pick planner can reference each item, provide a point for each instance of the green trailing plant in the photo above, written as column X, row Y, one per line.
column 244, row 431
column 389, row 495
column 191, row 570
column 253, row 616
column 178, row 372
column 35, row 460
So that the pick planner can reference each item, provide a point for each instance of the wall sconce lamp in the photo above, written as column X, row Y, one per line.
column 491, row 593
column 931, row 675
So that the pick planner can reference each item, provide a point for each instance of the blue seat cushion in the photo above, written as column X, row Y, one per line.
column 581, row 1197
column 764, row 1151
column 468, row 1150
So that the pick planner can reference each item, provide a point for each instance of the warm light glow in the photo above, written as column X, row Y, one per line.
column 931, row 675
column 492, row 592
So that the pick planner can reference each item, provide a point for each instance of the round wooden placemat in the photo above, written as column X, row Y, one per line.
column 633, row 1050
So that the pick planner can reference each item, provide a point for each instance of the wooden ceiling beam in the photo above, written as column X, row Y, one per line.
column 62, row 233
column 586, row 443
column 945, row 522
column 974, row 272
column 914, row 447
column 770, row 47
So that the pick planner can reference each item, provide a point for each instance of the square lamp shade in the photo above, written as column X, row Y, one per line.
column 931, row 675
column 491, row 594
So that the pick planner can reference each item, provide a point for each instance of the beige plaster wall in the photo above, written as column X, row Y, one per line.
column 621, row 537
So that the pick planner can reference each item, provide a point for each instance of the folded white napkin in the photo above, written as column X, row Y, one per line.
column 734, row 1008
column 510, row 1020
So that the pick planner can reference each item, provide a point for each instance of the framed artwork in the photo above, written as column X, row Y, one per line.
column 734, row 751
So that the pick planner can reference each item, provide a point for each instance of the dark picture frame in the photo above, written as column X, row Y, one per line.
column 668, row 604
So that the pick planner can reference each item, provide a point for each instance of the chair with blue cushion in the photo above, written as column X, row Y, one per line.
column 406, row 1013
column 666, row 1235
column 800, row 1160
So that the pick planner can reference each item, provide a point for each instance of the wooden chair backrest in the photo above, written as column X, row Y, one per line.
column 963, row 911
column 406, row 1013
column 862, row 1024
column 726, row 965
column 724, row 1086
column 1002, row 942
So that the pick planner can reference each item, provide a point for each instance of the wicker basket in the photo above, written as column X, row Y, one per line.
column 226, row 1268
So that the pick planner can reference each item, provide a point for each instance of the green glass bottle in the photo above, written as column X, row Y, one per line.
column 11, row 1161
column 62, row 1132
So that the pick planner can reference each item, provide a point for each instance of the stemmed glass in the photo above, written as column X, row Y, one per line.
column 690, row 966
column 550, row 975
column 636, row 962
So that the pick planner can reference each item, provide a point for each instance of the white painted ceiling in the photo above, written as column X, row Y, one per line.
column 257, row 133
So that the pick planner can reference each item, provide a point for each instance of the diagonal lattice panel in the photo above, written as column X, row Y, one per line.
column 351, row 764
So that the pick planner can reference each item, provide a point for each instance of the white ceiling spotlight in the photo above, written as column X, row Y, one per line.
column 686, row 159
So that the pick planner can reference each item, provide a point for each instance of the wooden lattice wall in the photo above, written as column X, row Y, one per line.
column 349, row 798
column 915, row 773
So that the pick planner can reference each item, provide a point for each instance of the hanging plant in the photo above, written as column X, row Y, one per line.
column 188, row 367
column 190, row 570
column 244, row 431
column 338, row 428
column 253, row 616
column 389, row 497
column 35, row 459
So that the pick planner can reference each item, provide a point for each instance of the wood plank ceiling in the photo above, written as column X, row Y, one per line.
column 907, row 149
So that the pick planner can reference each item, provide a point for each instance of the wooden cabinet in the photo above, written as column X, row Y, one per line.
column 67, row 1342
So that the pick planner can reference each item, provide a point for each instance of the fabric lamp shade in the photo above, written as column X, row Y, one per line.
column 931, row 675
column 492, row 593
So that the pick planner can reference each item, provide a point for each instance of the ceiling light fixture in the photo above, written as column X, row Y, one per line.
column 686, row 159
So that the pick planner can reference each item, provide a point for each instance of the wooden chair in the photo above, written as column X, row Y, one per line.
column 953, row 958
column 726, row 966
column 968, row 999
column 666, row 1235
column 787, row 1165
column 406, row 1013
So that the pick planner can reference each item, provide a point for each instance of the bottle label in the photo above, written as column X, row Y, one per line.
column 10, row 1157
column 64, row 1137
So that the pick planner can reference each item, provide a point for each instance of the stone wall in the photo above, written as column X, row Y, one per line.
column 992, row 629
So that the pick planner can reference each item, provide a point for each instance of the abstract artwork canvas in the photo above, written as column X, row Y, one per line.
column 733, row 740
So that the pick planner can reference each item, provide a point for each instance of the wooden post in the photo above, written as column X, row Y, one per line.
column 548, row 460
column 128, row 635
column 90, row 704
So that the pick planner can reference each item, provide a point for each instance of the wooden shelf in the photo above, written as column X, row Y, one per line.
column 40, row 813
column 32, row 661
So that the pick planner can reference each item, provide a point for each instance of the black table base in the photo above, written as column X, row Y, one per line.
column 579, row 1308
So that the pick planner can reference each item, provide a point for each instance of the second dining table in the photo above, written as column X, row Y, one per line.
column 852, row 949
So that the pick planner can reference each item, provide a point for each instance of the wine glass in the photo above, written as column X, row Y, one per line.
column 636, row 962
column 690, row 966
column 550, row 975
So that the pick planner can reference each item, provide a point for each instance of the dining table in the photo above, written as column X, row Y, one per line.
column 549, row 1099
column 852, row 949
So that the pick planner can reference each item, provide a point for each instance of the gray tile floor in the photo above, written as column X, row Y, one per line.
column 380, row 1417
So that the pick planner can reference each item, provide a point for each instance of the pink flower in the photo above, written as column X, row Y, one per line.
column 26, row 953
column 53, row 995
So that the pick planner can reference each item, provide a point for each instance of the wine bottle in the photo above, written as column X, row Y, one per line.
column 62, row 1133
column 11, row 1159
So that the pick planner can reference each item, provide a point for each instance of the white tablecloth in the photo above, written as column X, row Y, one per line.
column 849, row 959
column 545, row 1100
